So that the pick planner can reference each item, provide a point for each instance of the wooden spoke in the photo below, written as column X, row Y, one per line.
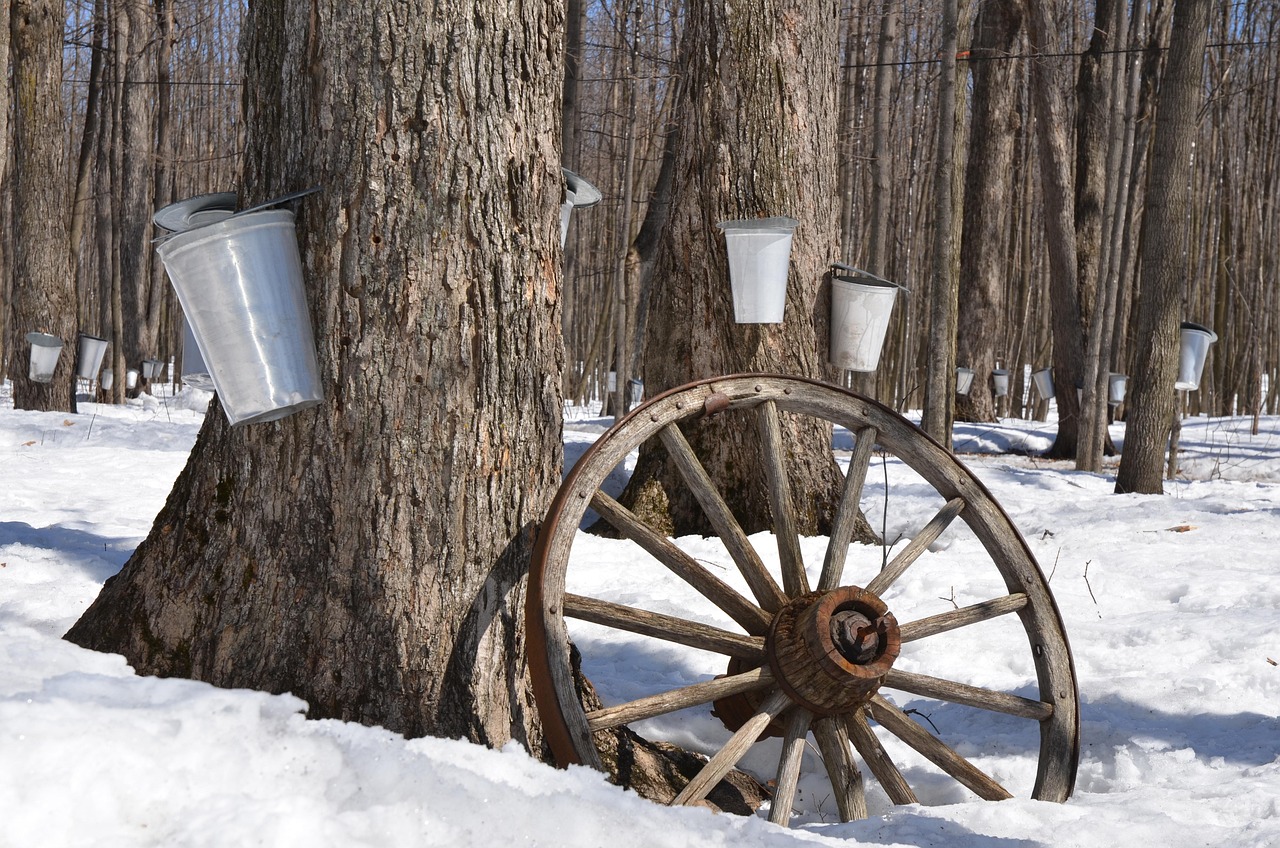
column 916, row 547
column 762, row 584
column 679, row 699
column 843, row 525
column 728, row 756
column 681, row 631
column 963, row 617
column 794, row 580
column 970, row 696
column 877, row 759
column 899, row 724
column 749, row 616
column 784, row 793
column 842, row 771
column 789, row 766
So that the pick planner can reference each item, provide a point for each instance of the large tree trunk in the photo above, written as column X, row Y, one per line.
column 368, row 554
column 758, row 139
column 6, row 278
column 1059, row 228
column 44, row 299
column 988, row 191
column 1164, row 257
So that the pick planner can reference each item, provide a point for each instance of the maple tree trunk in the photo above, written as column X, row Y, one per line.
column 758, row 138
column 368, row 554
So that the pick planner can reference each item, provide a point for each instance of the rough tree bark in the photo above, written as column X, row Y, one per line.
column 988, row 191
column 133, row 36
column 1059, row 227
column 939, row 393
column 368, row 554
column 6, row 278
column 1098, row 114
column 1164, row 258
column 43, row 298
column 758, row 138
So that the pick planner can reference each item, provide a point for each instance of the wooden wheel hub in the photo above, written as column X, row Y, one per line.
column 830, row 651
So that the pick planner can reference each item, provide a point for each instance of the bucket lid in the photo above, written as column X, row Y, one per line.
column 44, row 340
column 761, row 225
column 196, row 211
column 581, row 192
column 276, row 201
column 1188, row 325
column 850, row 274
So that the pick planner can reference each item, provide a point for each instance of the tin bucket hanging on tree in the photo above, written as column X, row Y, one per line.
column 1043, row 380
column 1193, row 348
column 239, row 281
column 861, row 305
column 759, row 262
column 90, row 350
column 45, row 350
column 578, row 194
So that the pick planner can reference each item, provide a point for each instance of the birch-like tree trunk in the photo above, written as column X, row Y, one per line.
column 368, row 554
column 1164, row 253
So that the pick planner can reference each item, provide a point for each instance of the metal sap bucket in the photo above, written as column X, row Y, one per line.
column 759, row 262
column 1000, row 382
column 91, row 349
column 1043, row 380
column 1192, row 351
column 861, row 305
column 964, row 380
column 578, row 194
column 45, row 350
column 108, row 379
column 194, row 372
column 240, row 285
column 152, row 369
column 1116, row 385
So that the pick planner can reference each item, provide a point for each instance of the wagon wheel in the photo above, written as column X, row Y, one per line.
column 817, row 659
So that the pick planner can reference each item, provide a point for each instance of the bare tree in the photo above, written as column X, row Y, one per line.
column 939, row 393
column 44, row 290
column 368, row 554
column 987, row 194
column 1164, row 254
column 1059, row 227
column 758, row 138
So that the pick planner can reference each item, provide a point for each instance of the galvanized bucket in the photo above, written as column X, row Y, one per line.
column 194, row 372
column 45, row 350
column 1043, row 380
column 759, row 261
column 964, row 380
column 240, row 285
column 89, row 362
column 1192, row 351
column 1000, row 382
column 861, row 305
column 1116, row 385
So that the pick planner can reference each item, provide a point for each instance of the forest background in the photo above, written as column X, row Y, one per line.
column 152, row 97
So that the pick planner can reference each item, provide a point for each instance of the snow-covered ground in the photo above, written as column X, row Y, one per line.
column 1172, row 606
